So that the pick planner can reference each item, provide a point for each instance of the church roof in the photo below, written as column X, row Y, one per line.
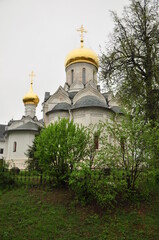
column 2, row 130
column 105, row 95
column 72, row 94
column 116, row 109
column 28, row 126
column 89, row 101
column 60, row 106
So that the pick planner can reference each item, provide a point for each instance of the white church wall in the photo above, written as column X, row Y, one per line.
column 45, row 110
column 54, row 116
column 16, row 157
column 81, row 116
column 89, row 116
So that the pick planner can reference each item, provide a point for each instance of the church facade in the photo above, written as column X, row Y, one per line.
column 19, row 134
column 80, row 100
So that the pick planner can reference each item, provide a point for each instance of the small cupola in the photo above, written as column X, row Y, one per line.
column 30, row 100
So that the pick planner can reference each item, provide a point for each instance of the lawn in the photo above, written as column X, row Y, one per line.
column 35, row 214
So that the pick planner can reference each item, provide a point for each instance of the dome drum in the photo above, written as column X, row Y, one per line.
column 81, row 72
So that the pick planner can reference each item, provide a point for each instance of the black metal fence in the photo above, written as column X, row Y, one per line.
column 28, row 179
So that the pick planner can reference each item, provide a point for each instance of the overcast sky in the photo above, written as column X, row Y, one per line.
column 37, row 35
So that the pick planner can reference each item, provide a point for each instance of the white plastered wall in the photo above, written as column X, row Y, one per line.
column 87, row 116
column 55, row 116
column 23, row 140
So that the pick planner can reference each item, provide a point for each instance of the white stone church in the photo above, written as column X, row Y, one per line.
column 80, row 100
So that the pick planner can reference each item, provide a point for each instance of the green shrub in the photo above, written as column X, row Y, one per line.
column 94, row 185
column 56, row 148
column 80, row 183
column 5, row 178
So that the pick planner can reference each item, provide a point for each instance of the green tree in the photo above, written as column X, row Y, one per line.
column 81, row 178
column 32, row 162
column 58, row 146
column 130, row 64
column 125, row 149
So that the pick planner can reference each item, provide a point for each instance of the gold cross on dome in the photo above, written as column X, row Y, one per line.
column 31, row 75
column 82, row 30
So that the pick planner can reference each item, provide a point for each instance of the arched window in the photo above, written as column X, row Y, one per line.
column 1, row 150
column 72, row 75
column 96, row 142
column 14, row 146
column 94, row 75
column 84, row 76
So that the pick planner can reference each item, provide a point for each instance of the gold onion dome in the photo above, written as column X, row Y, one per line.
column 82, row 54
column 31, row 97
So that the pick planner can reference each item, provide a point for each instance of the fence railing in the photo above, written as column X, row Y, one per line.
column 29, row 178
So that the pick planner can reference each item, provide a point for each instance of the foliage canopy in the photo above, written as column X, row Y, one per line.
column 130, row 64
column 57, row 148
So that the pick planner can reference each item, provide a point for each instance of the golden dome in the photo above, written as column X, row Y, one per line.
column 31, row 97
column 82, row 55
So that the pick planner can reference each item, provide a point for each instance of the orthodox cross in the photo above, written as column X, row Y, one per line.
column 32, row 75
column 82, row 30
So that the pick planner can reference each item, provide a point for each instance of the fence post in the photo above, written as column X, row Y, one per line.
column 41, row 178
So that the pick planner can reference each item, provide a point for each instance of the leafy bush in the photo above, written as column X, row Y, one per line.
column 56, row 149
column 80, row 183
column 5, row 177
column 95, row 185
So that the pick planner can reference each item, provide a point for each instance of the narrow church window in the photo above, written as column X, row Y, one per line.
column 94, row 75
column 96, row 142
column 14, row 146
column 122, row 144
column 84, row 76
column 1, row 150
column 72, row 75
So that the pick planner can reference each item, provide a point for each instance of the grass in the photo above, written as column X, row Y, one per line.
column 43, row 215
